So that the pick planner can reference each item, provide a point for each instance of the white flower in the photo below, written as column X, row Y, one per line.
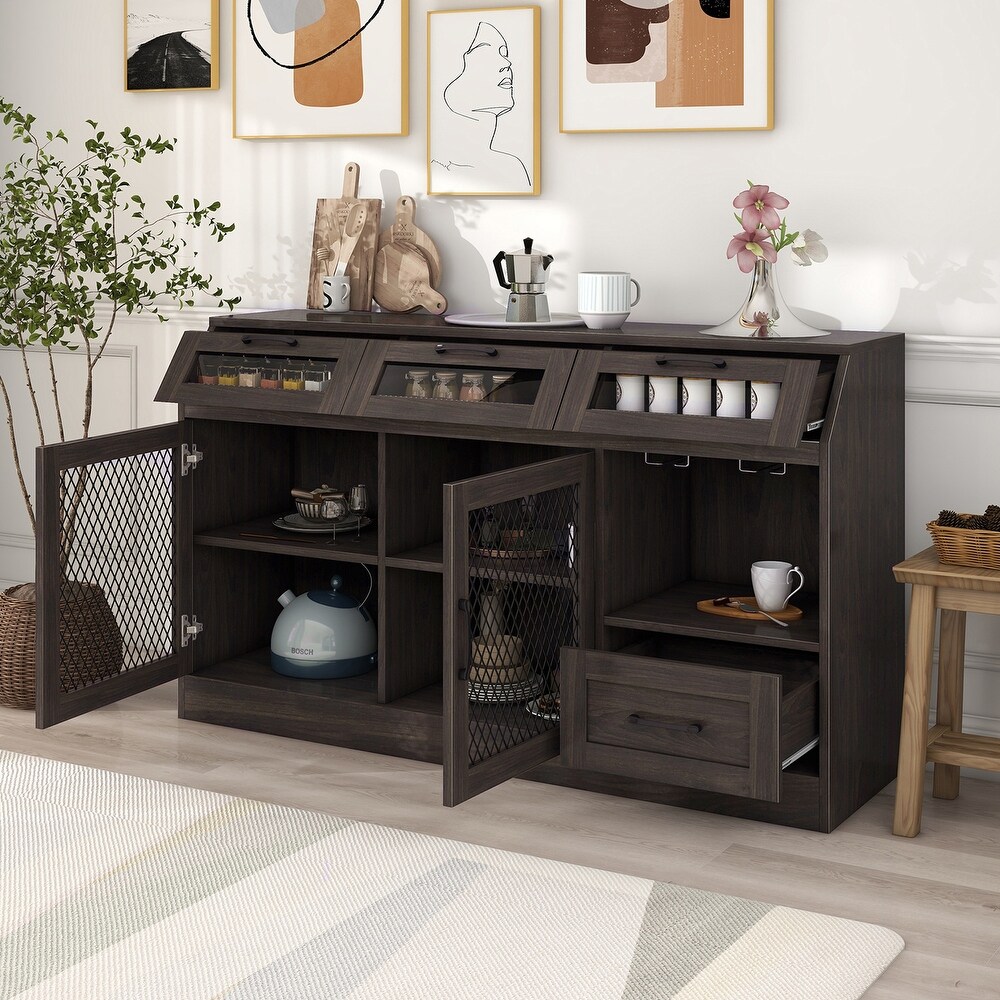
column 808, row 247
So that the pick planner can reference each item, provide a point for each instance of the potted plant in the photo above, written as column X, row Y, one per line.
column 79, row 248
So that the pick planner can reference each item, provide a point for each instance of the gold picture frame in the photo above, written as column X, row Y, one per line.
column 483, row 130
column 171, row 45
column 326, row 78
column 703, row 65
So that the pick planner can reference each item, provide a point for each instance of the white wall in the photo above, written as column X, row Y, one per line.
column 886, row 141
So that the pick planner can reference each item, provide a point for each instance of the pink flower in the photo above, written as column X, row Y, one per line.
column 747, row 246
column 759, row 205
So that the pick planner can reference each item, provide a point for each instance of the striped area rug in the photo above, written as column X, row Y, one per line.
column 117, row 887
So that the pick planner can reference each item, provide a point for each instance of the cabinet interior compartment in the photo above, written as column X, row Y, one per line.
column 673, row 536
column 411, row 635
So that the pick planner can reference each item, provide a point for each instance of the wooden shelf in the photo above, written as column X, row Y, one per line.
column 675, row 611
column 262, row 536
column 549, row 571
column 427, row 559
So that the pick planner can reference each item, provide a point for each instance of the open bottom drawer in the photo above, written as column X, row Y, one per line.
column 699, row 725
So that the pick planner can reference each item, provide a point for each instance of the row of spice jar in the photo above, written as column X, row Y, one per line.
column 445, row 385
column 296, row 375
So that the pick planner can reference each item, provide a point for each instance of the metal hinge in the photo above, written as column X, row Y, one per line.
column 191, row 628
column 190, row 457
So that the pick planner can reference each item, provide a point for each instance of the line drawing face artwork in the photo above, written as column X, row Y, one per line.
column 475, row 93
column 297, row 60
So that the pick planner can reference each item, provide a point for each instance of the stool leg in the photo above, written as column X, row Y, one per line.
column 916, row 699
column 951, row 685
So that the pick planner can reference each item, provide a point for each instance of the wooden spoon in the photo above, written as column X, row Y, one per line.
column 354, row 225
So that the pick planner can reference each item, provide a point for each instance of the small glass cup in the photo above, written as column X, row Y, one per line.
column 229, row 375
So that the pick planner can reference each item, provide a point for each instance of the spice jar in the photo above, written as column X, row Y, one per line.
column 208, row 372
column 229, row 375
column 315, row 379
column 472, row 387
column 293, row 378
column 501, row 391
column 270, row 378
column 249, row 377
column 416, row 384
column 444, row 385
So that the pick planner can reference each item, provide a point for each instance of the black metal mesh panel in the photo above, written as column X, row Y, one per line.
column 116, row 555
column 524, row 602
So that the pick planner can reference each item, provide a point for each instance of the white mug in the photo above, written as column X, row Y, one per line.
column 662, row 394
column 772, row 584
column 763, row 399
column 730, row 397
column 606, row 292
column 696, row 397
column 630, row 392
column 336, row 292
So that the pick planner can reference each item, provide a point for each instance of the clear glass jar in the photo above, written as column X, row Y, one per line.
column 293, row 378
column 229, row 375
column 501, row 390
column 249, row 377
column 315, row 379
column 417, row 384
column 208, row 372
column 472, row 387
column 444, row 385
column 270, row 378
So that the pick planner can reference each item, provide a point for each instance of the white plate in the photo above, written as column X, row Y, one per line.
column 500, row 319
column 551, row 714
column 495, row 694
column 296, row 522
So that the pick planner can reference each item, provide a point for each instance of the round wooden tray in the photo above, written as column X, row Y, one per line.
column 789, row 614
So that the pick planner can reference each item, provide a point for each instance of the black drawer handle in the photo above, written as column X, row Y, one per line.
column 719, row 363
column 692, row 728
column 490, row 352
column 287, row 341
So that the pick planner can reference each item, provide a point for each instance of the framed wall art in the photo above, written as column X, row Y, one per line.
column 661, row 65
column 483, row 101
column 171, row 45
column 320, row 68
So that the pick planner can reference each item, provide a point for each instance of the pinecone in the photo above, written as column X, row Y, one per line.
column 975, row 522
column 992, row 516
column 993, row 510
column 949, row 519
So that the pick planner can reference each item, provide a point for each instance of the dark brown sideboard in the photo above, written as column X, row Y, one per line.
column 614, row 524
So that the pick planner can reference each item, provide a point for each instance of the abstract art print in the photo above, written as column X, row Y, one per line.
column 662, row 65
column 319, row 68
column 171, row 45
column 483, row 101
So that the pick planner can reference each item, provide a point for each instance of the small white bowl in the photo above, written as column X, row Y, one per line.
column 604, row 321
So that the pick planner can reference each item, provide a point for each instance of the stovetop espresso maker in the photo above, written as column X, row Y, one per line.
column 526, row 274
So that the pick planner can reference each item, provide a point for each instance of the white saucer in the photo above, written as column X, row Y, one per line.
column 500, row 319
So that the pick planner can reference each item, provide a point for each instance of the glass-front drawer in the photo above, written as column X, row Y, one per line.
column 487, row 384
column 692, row 397
column 266, row 371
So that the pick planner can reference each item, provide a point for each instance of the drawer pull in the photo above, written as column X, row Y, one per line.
column 287, row 341
column 692, row 728
column 490, row 352
column 688, row 363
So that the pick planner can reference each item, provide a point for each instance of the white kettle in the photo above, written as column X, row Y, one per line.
column 323, row 634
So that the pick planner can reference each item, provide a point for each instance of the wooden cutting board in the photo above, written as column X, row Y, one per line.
column 331, row 213
column 789, row 614
column 405, row 230
column 403, row 280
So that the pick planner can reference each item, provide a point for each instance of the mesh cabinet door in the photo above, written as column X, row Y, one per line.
column 517, row 589
column 112, row 569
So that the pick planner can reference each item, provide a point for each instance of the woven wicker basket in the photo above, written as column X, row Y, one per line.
column 966, row 546
column 90, row 644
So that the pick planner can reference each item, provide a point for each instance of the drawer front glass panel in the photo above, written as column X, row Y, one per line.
column 278, row 373
column 467, row 383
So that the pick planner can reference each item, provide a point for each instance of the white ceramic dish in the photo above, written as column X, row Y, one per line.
column 500, row 319
column 604, row 321
column 295, row 522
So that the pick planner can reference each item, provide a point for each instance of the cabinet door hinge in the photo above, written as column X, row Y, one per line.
column 191, row 628
column 190, row 457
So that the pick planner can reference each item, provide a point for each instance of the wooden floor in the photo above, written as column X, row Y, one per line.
column 941, row 891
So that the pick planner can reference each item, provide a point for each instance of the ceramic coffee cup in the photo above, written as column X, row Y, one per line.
column 730, row 397
column 696, row 397
column 772, row 584
column 630, row 392
column 662, row 394
column 336, row 292
column 605, row 298
column 763, row 399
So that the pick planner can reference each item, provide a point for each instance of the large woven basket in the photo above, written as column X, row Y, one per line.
column 90, row 643
column 966, row 546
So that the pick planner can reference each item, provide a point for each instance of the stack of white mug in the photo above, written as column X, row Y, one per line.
column 605, row 298
column 693, row 396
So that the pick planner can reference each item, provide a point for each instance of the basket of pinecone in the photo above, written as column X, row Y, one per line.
column 968, row 539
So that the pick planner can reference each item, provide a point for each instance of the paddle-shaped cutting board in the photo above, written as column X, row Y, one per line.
column 331, row 214
column 405, row 230
column 403, row 280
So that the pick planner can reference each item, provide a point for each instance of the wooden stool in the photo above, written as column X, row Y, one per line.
column 955, row 590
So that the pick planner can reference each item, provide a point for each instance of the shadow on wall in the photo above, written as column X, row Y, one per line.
column 940, row 282
column 277, row 287
column 467, row 278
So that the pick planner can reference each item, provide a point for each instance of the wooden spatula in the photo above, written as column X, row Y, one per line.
column 354, row 226
column 402, row 280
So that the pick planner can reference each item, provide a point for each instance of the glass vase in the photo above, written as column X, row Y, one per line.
column 764, row 313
